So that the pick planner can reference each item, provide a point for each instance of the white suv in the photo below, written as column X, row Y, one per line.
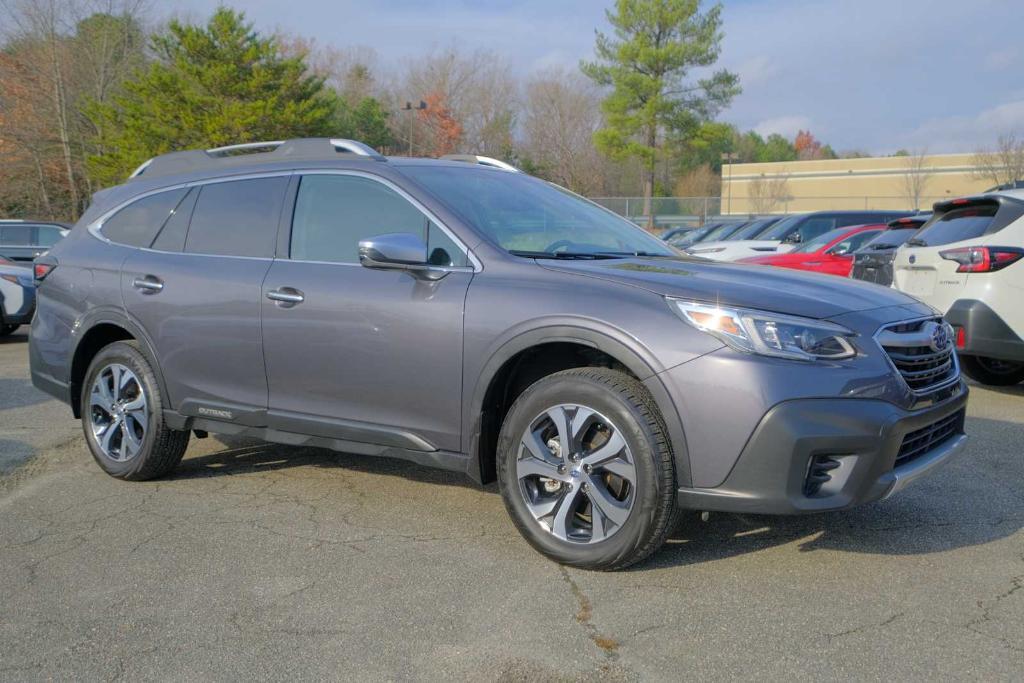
column 965, row 262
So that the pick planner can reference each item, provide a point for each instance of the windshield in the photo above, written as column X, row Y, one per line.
column 752, row 230
column 721, row 232
column 781, row 229
column 819, row 242
column 530, row 217
column 688, row 238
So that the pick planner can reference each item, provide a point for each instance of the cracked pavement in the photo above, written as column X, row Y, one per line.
column 258, row 561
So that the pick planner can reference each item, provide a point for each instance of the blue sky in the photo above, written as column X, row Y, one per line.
column 875, row 75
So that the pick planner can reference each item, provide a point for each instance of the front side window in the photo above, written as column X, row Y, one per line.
column 813, row 227
column 237, row 218
column 138, row 223
column 334, row 212
column 529, row 217
column 855, row 242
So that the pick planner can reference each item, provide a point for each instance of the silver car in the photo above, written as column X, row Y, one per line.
column 469, row 317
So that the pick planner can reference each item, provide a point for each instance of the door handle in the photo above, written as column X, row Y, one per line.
column 150, row 284
column 286, row 297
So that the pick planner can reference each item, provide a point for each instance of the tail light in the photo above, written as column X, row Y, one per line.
column 41, row 270
column 982, row 259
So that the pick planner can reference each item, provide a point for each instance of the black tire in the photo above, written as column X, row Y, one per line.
column 7, row 329
column 996, row 373
column 628, row 404
column 162, row 448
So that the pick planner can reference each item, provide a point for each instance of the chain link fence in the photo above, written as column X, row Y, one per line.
column 671, row 212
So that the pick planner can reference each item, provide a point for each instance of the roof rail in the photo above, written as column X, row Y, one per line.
column 482, row 161
column 307, row 149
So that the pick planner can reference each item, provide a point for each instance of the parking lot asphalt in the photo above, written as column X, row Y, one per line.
column 259, row 561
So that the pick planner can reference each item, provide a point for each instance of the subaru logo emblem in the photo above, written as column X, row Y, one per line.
column 939, row 337
column 913, row 259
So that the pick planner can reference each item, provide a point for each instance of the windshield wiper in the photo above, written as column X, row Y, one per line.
column 916, row 242
column 649, row 254
column 568, row 255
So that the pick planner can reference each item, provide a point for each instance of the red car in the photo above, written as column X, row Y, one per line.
column 830, row 253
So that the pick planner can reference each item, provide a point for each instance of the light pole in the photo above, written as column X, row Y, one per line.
column 730, row 157
column 409, row 108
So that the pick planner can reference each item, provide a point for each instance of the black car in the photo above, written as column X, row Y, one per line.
column 873, row 262
column 25, row 240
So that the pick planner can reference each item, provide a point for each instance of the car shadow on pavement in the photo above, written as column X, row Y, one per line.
column 16, row 338
column 19, row 393
column 972, row 501
column 246, row 455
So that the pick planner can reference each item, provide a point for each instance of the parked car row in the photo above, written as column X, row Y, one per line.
column 20, row 243
column 960, row 260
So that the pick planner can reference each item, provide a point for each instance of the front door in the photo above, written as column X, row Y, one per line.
column 373, row 356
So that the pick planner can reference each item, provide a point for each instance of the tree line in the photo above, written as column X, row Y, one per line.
column 89, row 89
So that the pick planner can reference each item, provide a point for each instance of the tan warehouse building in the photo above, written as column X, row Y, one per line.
column 866, row 183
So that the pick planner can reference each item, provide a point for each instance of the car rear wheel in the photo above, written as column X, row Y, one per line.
column 586, row 471
column 122, row 416
column 992, row 371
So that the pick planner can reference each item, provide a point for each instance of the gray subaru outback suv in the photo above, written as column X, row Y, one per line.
column 472, row 318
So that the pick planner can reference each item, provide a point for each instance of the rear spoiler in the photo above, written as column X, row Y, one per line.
column 907, row 222
column 1007, row 209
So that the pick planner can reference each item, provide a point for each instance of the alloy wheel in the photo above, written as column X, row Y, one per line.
column 118, row 412
column 576, row 474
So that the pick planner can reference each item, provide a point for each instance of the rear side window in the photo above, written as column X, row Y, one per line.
column 237, row 218
column 855, row 242
column 334, row 212
column 138, row 223
column 958, row 225
column 16, row 235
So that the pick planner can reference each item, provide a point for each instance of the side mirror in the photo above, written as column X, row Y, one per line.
column 839, row 250
column 795, row 238
column 399, row 251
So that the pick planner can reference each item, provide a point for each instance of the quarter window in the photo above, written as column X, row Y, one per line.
column 334, row 212
column 137, row 224
column 237, row 218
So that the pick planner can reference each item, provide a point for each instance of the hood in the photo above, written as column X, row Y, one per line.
column 779, row 259
column 767, row 246
column 779, row 290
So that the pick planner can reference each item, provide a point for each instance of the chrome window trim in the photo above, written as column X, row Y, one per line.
column 932, row 389
column 476, row 267
column 95, row 228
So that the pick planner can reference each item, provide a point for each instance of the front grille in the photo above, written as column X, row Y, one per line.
column 910, row 347
column 923, row 441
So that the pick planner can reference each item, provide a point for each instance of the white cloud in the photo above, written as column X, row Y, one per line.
column 787, row 126
column 966, row 133
column 757, row 70
column 1002, row 59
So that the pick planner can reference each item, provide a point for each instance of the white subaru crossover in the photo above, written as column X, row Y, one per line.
column 967, row 262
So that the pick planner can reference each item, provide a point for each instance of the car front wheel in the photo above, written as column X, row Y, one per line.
column 586, row 471
column 992, row 371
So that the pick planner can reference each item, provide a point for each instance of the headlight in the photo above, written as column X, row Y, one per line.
column 769, row 334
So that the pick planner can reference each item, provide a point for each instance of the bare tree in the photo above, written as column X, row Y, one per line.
column 767, row 193
column 702, row 181
column 560, row 116
column 59, row 55
column 1001, row 165
column 916, row 175
column 478, row 88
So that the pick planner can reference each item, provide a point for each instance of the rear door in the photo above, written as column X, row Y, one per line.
column 196, row 292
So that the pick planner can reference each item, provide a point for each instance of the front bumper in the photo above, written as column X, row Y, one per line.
column 860, row 439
